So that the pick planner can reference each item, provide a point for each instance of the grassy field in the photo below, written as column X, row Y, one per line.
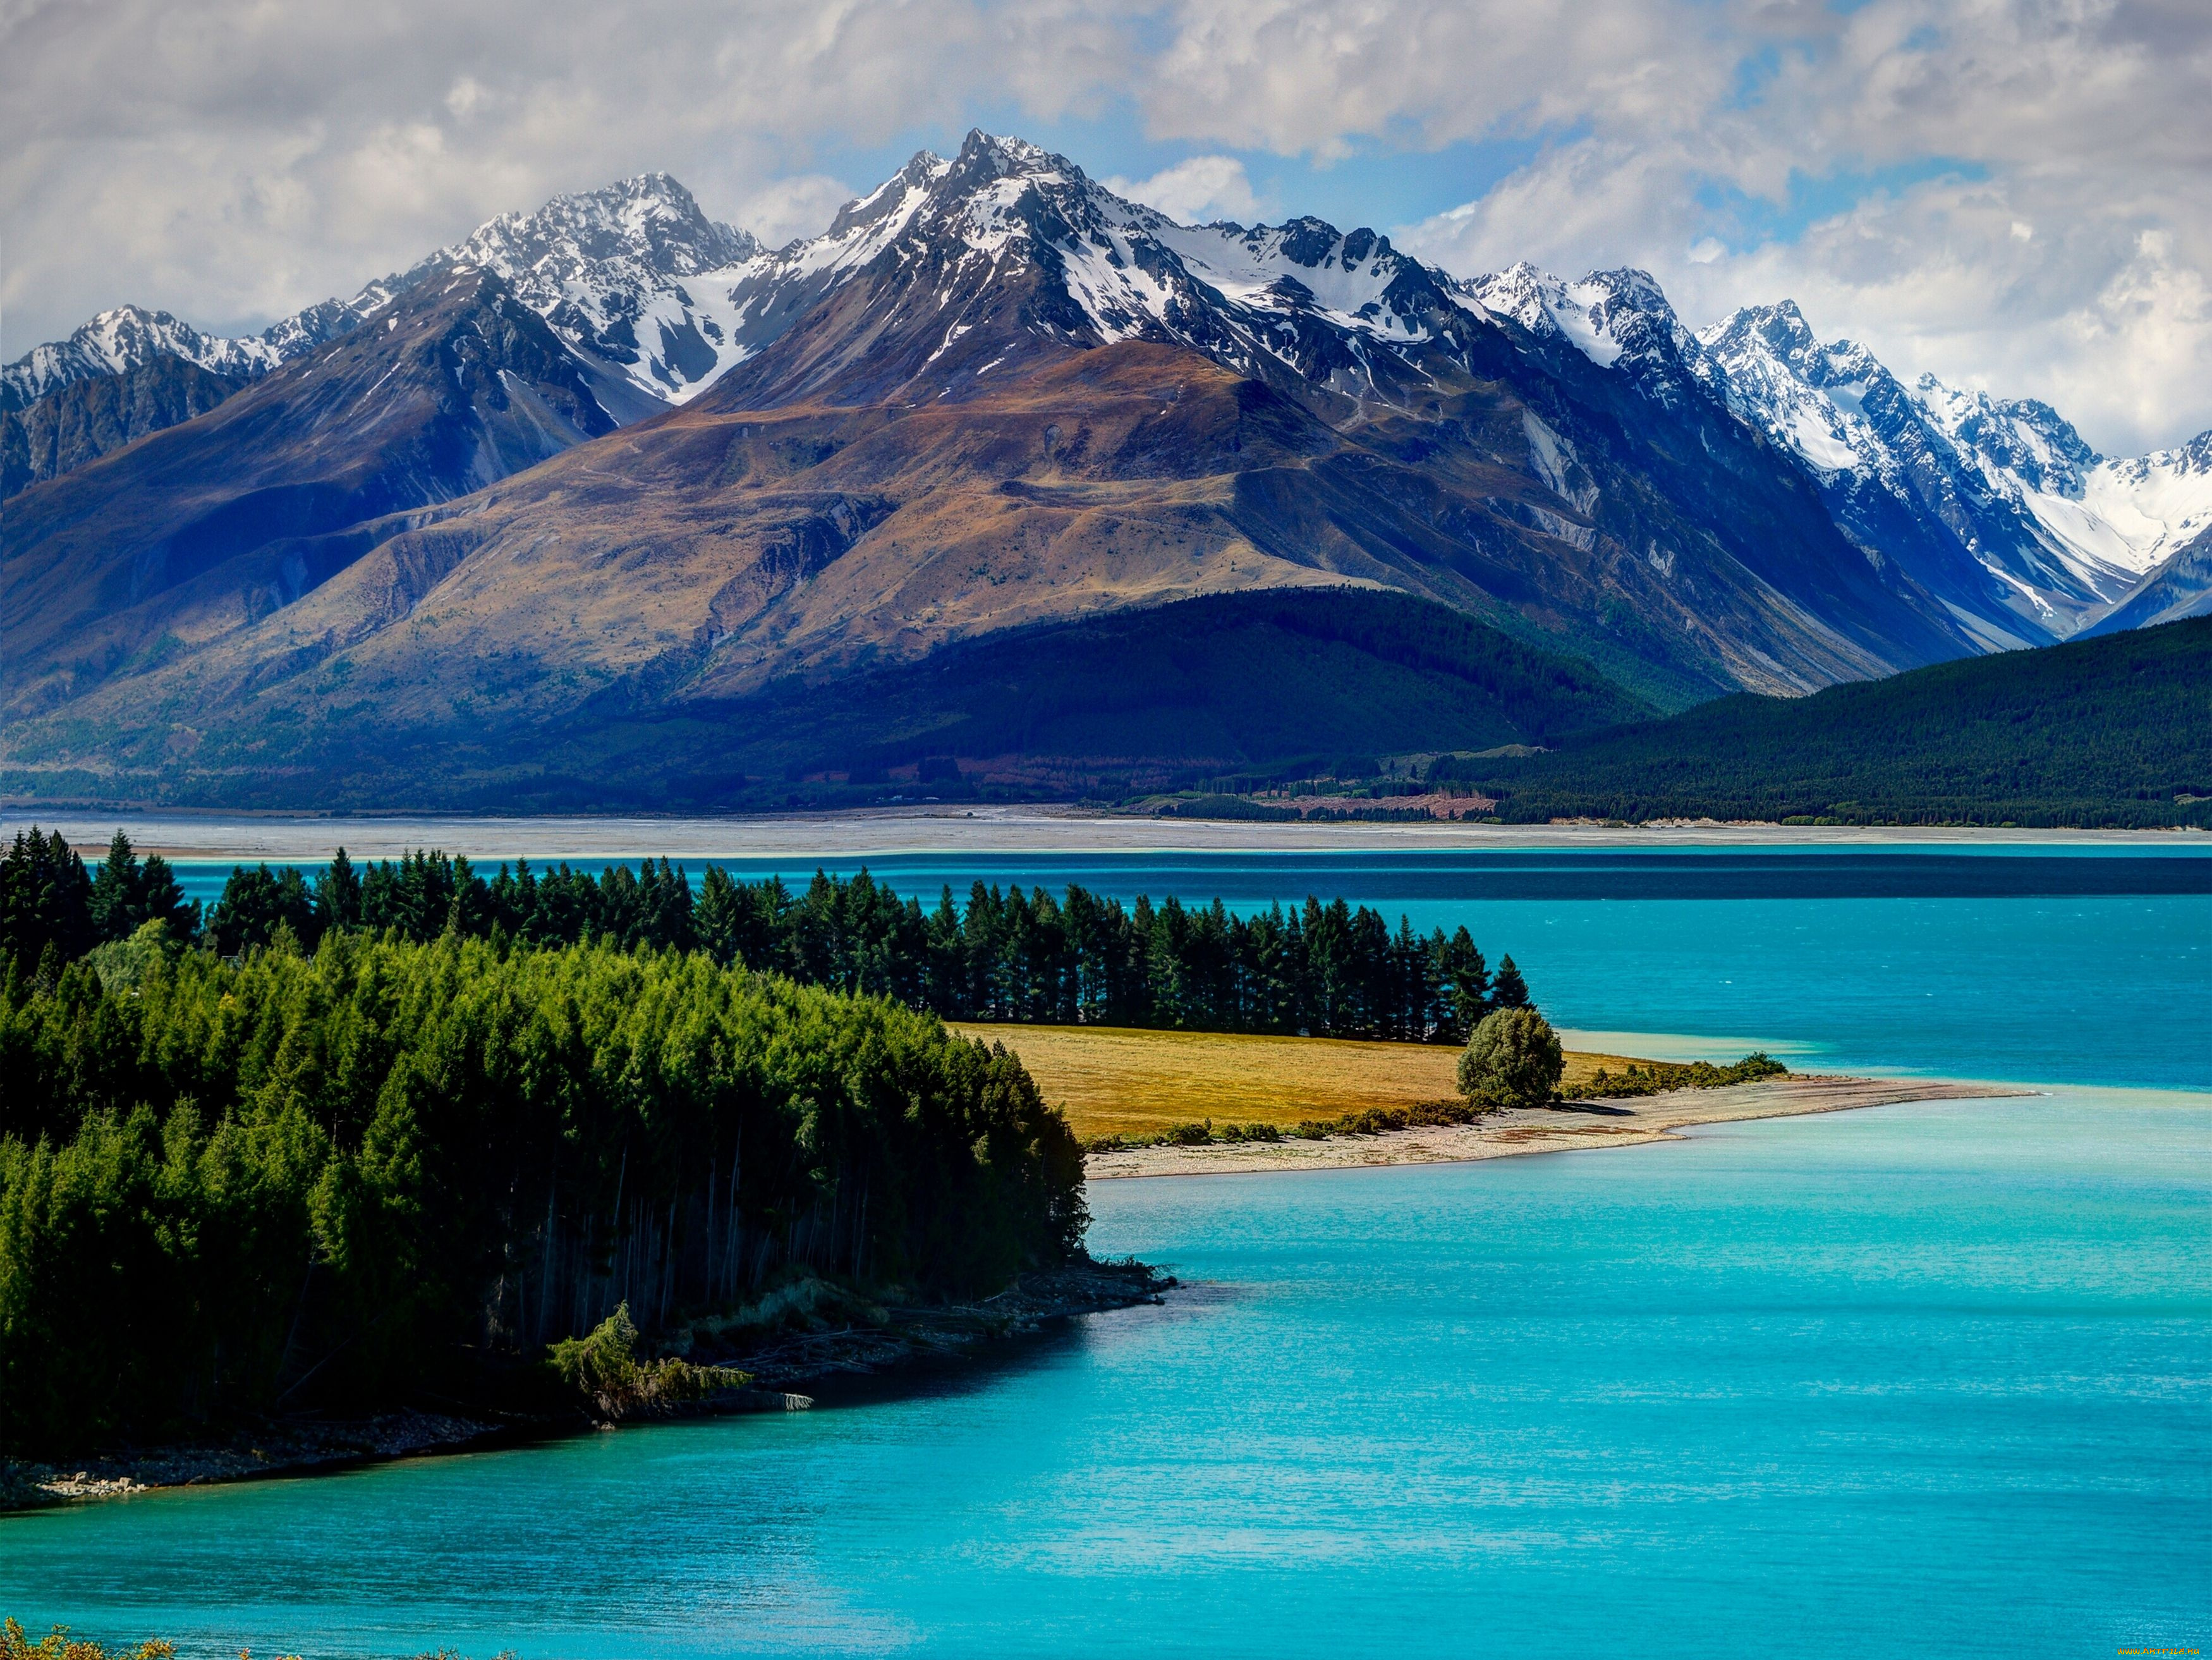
column 1114, row 1081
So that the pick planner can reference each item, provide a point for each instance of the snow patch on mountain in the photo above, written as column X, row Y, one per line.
column 2070, row 533
column 126, row 338
column 1301, row 264
column 1607, row 316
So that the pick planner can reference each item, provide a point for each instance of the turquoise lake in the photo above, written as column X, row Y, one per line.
column 1934, row 1376
column 2032, row 965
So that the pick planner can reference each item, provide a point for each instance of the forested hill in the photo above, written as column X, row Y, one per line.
column 389, row 1171
column 2112, row 731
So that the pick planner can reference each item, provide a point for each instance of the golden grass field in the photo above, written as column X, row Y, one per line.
column 1116, row 1081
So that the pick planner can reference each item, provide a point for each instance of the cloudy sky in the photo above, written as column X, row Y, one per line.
column 2015, row 194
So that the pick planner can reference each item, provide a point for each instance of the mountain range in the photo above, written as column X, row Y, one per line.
column 610, row 502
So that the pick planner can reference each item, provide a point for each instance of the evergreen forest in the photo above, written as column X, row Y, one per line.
column 330, row 1144
column 2114, row 731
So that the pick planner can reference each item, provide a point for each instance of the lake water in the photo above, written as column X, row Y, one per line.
column 1927, row 1378
column 2023, row 962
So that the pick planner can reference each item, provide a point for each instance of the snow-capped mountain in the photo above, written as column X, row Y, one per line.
column 630, row 275
column 1998, row 507
column 607, row 268
column 126, row 338
column 993, row 396
column 1746, row 508
column 210, row 522
column 1297, row 297
column 2115, row 518
column 1985, row 499
column 130, row 337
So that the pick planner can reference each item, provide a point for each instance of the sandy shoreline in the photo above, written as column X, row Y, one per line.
column 883, row 831
column 1551, row 1129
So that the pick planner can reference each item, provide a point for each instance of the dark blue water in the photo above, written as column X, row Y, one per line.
column 1927, row 1379
column 2087, row 966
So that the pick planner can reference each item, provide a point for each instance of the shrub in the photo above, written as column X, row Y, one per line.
column 58, row 1644
column 1513, row 1060
column 603, row 1368
column 1658, row 1075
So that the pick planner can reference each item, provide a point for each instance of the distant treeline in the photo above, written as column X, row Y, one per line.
column 347, row 1179
column 1322, row 969
column 2112, row 732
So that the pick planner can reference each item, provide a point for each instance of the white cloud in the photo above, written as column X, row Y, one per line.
column 2036, row 217
column 235, row 159
column 802, row 206
column 464, row 96
column 1197, row 192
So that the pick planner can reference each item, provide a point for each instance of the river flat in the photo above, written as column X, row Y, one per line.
column 988, row 830
column 1934, row 1374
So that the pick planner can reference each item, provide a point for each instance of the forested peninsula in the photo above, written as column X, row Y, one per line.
column 398, row 1132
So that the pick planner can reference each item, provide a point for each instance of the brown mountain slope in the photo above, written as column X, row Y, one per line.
column 195, row 531
column 706, row 555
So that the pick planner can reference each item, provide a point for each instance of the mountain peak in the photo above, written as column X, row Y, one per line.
column 122, row 338
column 1618, row 318
column 1008, row 155
column 1780, row 327
column 650, row 220
column 892, row 199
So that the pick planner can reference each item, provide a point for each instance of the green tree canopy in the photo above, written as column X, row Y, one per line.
column 1514, row 1060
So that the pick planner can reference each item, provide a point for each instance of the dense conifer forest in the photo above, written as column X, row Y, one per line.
column 2115, row 731
column 401, row 1127
column 232, row 1187
column 1322, row 969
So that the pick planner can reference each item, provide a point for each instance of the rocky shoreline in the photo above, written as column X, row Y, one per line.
column 883, row 1339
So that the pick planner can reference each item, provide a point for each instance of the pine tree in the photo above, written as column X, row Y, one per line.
column 1466, row 984
column 116, row 891
column 1509, row 991
column 161, row 899
column 718, row 917
column 46, row 899
column 338, row 893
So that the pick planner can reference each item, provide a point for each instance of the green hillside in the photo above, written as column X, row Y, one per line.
column 2107, row 731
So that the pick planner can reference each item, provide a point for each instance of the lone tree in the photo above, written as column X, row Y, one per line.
column 1512, row 1061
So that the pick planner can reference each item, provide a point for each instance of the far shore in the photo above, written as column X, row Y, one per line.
column 926, row 828
column 1571, row 1127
